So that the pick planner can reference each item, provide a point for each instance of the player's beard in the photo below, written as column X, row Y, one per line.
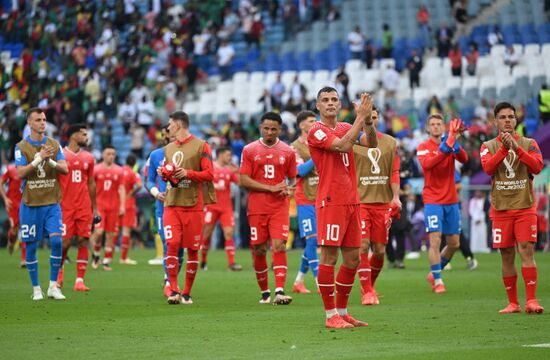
column 82, row 143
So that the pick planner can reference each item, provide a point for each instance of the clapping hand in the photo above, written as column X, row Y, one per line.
column 364, row 108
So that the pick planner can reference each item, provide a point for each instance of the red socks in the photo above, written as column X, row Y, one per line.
column 364, row 272
column 97, row 249
column 191, row 270
column 124, row 246
column 344, row 284
column 260, row 267
column 108, row 254
column 530, row 280
column 172, row 264
column 376, row 266
column 230, row 251
column 279, row 268
column 82, row 261
column 510, row 284
column 325, row 279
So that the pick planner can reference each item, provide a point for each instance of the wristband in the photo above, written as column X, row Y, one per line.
column 52, row 163
column 37, row 160
column 154, row 191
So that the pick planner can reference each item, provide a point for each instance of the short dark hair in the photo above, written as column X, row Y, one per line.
column 326, row 89
column 503, row 105
column 270, row 115
column 180, row 116
column 303, row 115
column 109, row 146
column 34, row 110
column 131, row 160
column 223, row 149
column 73, row 129
column 374, row 108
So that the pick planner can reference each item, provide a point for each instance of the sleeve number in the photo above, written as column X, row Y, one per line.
column 269, row 171
column 253, row 233
column 333, row 232
column 76, row 176
column 497, row 236
column 107, row 185
column 26, row 231
column 168, row 232
column 63, row 229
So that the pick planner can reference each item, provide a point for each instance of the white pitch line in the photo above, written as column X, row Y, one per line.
column 547, row 345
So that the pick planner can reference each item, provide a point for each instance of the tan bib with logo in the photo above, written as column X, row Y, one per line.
column 41, row 186
column 374, row 168
column 188, row 157
column 512, row 188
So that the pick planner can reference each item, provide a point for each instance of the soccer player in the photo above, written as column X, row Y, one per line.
column 306, row 189
column 337, row 203
column 190, row 188
column 512, row 160
column 111, row 200
column 132, row 182
column 157, row 188
column 78, row 204
column 378, row 187
column 266, row 165
column 12, row 200
column 222, row 210
column 441, row 212
column 39, row 160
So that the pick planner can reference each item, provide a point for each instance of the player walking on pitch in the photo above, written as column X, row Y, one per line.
column 78, row 204
column 266, row 165
column 111, row 200
column 39, row 160
column 442, row 212
column 378, row 187
column 190, row 174
column 337, row 204
column 157, row 188
column 222, row 210
column 511, row 160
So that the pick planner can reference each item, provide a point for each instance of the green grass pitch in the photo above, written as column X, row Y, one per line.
column 125, row 316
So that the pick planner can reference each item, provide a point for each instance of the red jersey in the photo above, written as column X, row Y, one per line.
column 130, row 179
column 337, row 175
column 223, row 177
column 268, row 165
column 14, row 185
column 439, row 173
column 108, row 179
column 532, row 159
column 74, row 185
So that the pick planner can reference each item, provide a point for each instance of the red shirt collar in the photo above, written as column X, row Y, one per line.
column 184, row 141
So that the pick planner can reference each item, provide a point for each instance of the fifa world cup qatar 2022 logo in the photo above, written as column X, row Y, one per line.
column 177, row 158
column 40, row 172
column 374, row 155
column 509, row 161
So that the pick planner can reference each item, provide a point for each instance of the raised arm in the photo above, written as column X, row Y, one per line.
column 362, row 121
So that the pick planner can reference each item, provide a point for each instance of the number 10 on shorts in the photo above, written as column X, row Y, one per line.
column 333, row 232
